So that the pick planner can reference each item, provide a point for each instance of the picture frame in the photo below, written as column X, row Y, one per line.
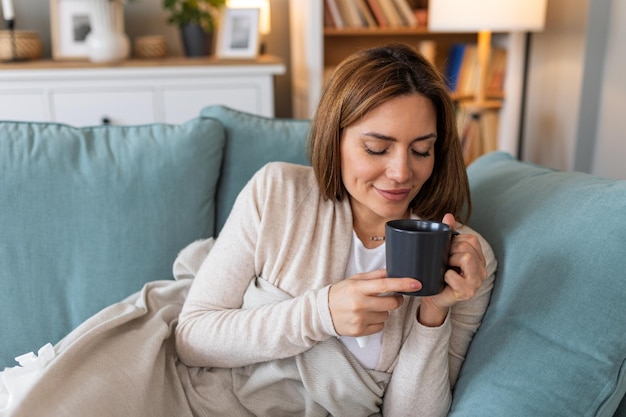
column 70, row 23
column 238, row 33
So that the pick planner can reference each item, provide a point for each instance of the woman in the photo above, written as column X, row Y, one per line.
column 299, row 262
column 271, row 323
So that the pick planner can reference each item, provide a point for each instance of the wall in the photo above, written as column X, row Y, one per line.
column 576, row 89
column 146, row 17
column 554, row 85
column 610, row 146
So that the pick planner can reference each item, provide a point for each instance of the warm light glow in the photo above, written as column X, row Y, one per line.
column 492, row 15
column 264, row 15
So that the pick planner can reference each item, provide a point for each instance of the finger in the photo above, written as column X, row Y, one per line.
column 467, row 243
column 466, row 253
column 462, row 288
column 448, row 219
column 384, row 304
column 468, row 265
column 390, row 285
column 378, row 317
column 376, row 274
column 470, row 274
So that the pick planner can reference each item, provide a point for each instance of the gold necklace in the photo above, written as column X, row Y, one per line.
column 377, row 238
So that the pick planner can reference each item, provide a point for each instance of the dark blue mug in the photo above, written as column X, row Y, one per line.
column 418, row 249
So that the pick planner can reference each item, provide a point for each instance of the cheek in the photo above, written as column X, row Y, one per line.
column 424, row 170
column 354, row 168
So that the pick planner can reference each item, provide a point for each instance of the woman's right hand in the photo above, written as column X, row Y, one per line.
column 360, row 304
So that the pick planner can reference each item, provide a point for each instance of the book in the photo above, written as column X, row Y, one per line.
column 329, row 22
column 496, row 71
column 335, row 13
column 452, row 67
column 469, row 128
column 462, row 70
column 350, row 13
column 378, row 13
column 406, row 13
column 478, row 132
column 366, row 14
column 391, row 14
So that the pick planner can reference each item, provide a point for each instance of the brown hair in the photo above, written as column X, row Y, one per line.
column 367, row 79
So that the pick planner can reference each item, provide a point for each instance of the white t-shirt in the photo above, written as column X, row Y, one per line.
column 363, row 259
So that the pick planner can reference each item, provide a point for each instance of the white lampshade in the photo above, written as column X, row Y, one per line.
column 264, row 13
column 486, row 15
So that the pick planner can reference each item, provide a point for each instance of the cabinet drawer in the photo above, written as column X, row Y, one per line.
column 22, row 106
column 183, row 102
column 88, row 107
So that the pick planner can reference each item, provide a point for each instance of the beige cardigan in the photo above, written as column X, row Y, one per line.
column 283, row 231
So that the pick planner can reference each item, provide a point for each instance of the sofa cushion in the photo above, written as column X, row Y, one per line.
column 552, row 342
column 251, row 142
column 88, row 215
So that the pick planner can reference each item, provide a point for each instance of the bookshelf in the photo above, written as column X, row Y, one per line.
column 316, row 49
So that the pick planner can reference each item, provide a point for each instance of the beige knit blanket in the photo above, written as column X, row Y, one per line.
column 123, row 362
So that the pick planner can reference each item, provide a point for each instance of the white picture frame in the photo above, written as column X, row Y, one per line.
column 238, row 33
column 70, row 23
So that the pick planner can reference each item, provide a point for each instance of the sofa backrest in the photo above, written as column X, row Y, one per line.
column 251, row 142
column 553, row 339
column 88, row 215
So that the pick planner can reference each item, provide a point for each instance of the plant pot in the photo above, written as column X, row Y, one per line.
column 196, row 41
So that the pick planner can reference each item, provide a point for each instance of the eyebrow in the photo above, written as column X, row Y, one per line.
column 380, row 136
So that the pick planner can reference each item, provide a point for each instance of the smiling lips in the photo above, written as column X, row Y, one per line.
column 394, row 195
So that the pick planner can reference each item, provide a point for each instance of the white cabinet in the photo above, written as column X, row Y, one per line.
column 21, row 104
column 93, row 106
column 136, row 92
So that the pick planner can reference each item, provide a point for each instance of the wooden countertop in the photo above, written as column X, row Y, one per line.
column 262, row 60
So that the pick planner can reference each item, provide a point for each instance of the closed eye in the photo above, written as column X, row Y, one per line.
column 421, row 154
column 374, row 152
column 381, row 144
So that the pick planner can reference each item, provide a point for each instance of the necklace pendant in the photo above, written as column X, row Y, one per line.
column 377, row 238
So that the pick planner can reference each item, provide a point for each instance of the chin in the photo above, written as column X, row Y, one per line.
column 393, row 214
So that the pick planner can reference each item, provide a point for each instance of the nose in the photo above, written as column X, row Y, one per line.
column 399, row 168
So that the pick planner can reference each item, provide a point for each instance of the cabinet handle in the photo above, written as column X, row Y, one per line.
column 105, row 120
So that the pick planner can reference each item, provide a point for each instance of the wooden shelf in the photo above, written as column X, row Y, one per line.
column 403, row 30
column 480, row 106
column 376, row 31
column 491, row 95
column 263, row 60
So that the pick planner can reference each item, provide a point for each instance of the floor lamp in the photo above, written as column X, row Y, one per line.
column 485, row 17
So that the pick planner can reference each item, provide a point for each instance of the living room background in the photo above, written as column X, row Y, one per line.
column 576, row 92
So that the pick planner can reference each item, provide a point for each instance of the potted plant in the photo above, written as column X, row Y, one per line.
column 197, row 22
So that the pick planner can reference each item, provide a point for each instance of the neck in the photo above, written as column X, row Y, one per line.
column 369, row 226
column 371, row 237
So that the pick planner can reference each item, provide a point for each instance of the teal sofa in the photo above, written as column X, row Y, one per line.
column 88, row 215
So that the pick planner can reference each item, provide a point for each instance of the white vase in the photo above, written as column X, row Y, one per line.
column 107, row 41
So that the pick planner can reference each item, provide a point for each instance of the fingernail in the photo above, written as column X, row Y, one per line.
column 416, row 285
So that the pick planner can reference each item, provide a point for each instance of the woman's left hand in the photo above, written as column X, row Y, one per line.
column 463, row 280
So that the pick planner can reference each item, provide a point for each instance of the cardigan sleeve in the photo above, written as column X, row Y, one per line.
column 214, row 330
column 420, row 378
column 467, row 316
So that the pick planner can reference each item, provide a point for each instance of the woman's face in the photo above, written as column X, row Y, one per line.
column 387, row 156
